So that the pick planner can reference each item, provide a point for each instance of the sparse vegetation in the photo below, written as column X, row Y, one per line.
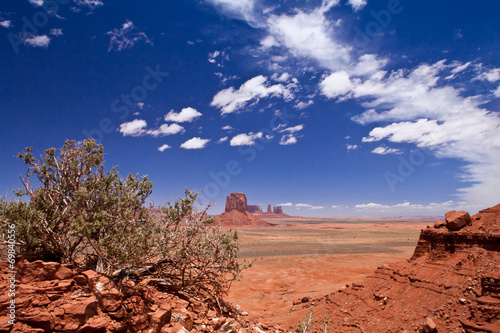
column 78, row 213
column 306, row 323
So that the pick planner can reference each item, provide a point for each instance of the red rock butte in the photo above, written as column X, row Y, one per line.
column 237, row 214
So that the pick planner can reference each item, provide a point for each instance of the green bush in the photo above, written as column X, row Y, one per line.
column 80, row 214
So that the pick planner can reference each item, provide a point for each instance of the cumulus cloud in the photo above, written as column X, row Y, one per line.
column 336, row 84
column 383, row 150
column 138, row 127
column 308, row 35
column 162, row 148
column 240, row 9
column 293, row 129
column 232, row 100
column 245, row 139
column 126, row 37
column 166, row 129
column 91, row 4
column 352, row 147
column 56, row 32
column 357, row 4
column 135, row 127
column 6, row 23
column 302, row 105
column 186, row 115
column 37, row 41
column 228, row 128
column 303, row 205
column 195, row 143
column 36, row 3
column 222, row 140
column 288, row 204
column 288, row 139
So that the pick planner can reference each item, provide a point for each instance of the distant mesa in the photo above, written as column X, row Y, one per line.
column 271, row 213
column 237, row 214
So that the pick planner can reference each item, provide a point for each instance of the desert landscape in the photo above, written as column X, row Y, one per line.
column 301, row 275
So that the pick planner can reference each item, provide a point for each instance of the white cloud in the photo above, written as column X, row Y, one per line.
column 195, row 143
column 162, row 148
column 166, row 129
column 352, row 147
column 302, row 105
column 317, row 207
column 186, row 115
column 492, row 75
column 38, row 41
column 92, row 4
column 36, row 3
column 368, row 64
column 357, row 4
column 497, row 92
column 382, row 150
column 135, row 127
column 56, row 32
column 138, row 127
column 288, row 139
column 6, row 23
column 302, row 205
column 288, row 204
column 294, row 129
column 336, row 84
column 240, row 9
column 284, row 77
column 126, row 37
column 231, row 100
column 245, row 139
column 222, row 140
column 309, row 35
column 227, row 128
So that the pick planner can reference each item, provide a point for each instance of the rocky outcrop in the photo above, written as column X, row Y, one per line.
column 451, row 284
column 278, row 210
column 51, row 297
column 269, row 210
column 457, row 220
column 254, row 209
column 237, row 215
column 236, row 201
column 462, row 231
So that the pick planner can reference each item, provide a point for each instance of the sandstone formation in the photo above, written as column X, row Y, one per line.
column 237, row 215
column 269, row 209
column 278, row 210
column 51, row 297
column 254, row 209
column 236, row 201
column 457, row 220
column 451, row 284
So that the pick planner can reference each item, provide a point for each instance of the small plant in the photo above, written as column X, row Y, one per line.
column 306, row 323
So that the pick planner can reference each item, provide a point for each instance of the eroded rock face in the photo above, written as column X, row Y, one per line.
column 51, row 297
column 236, row 201
column 457, row 220
column 278, row 210
column 254, row 209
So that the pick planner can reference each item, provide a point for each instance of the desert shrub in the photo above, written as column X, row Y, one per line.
column 78, row 213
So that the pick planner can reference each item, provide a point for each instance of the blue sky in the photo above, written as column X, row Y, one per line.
column 330, row 108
